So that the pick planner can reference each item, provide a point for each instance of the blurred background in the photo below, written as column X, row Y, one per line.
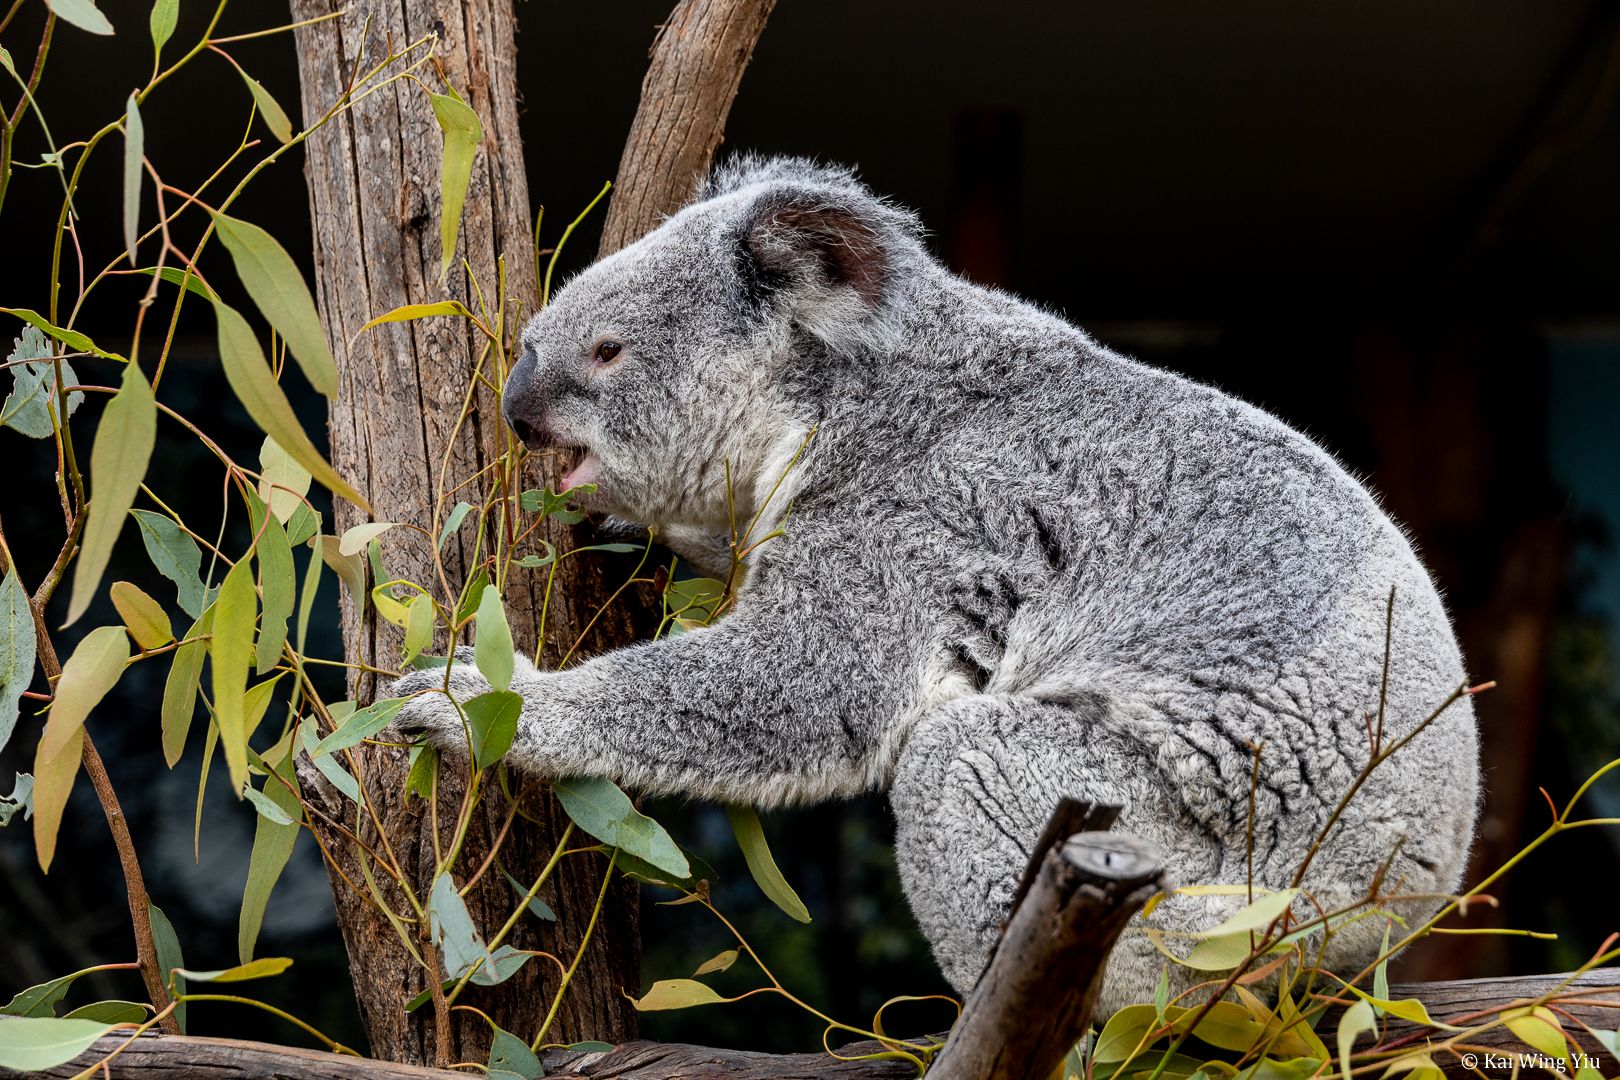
column 1393, row 223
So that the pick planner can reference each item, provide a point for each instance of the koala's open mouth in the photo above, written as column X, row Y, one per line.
column 579, row 466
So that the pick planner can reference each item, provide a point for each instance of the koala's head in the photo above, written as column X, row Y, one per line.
column 666, row 362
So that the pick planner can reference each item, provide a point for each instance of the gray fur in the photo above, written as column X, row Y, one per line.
column 1017, row 566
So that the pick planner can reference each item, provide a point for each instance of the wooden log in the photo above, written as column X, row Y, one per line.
column 697, row 63
column 171, row 1057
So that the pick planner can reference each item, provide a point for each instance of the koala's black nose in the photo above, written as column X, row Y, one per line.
column 520, row 402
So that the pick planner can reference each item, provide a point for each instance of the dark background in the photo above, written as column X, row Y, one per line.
column 1393, row 223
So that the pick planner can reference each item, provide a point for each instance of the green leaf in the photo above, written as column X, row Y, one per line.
column 275, row 117
column 277, row 581
column 1357, row 1018
column 283, row 482
column 511, row 1059
column 492, row 648
column 1123, row 1032
column 142, row 615
column 1256, row 916
column 453, row 521
column 492, row 718
column 53, row 782
column 1268, row 1068
column 350, row 569
column 256, row 388
column 1407, row 1009
column 272, row 846
column 165, row 13
column 550, row 504
column 134, row 148
column 302, row 525
column 180, row 690
column 750, row 835
column 537, row 907
column 336, row 774
column 257, row 969
column 462, row 134
column 90, row 672
column 29, row 407
column 355, row 539
column 111, row 1012
column 16, row 651
column 273, row 281
column 472, row 595
column 176, row 556
column 33, row 1044
column 266, row 809
column 41, row 1000
column 458, row 941
column 176, row 276
column 232, row 650
column 71, row 338
column 717, row 963
column 601, row 809
column 424, row 767
column 418, row 627
column 360, row 725
column 118, row 461
column 81, row 13
column 420, row 311
column 167, row 946
column 503, row 963
column 1538, row 1028
column 677, row 994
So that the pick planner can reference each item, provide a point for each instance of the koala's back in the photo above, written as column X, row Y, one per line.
column 1106, row 530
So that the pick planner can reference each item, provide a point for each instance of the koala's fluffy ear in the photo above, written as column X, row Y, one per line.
column 821, row 255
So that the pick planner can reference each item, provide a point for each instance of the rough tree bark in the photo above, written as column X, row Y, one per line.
column 374, row 200
column 697, row 64
column 374, row 179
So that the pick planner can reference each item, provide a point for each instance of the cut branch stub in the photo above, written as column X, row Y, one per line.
column 1024, row 1015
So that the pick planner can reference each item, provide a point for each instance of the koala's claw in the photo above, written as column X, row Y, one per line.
column 429, row 713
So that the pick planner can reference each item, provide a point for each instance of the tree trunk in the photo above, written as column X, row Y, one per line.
column 697, row 64
column 374, row 197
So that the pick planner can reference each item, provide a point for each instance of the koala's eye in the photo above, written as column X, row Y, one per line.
column 606, row 351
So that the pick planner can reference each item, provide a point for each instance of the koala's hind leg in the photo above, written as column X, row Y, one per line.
column 974, row 786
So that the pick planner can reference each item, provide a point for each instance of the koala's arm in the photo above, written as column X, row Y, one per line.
column 763, row 707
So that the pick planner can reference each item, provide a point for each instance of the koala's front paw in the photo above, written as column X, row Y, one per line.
column 429, row 713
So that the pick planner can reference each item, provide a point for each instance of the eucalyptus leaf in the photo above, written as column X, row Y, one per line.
column 53, row 783
column 143, row 616
column 493, row 650
column 273, row 842
column 111, row 1012
column 677, row 994
column 283, row 483
column 256, row 969
column 232, row 651
column 134, row 149
column 511, row 1059
column 180, row 690
column 81, row 13
column 600, row 808
column 336, row 774
column 165, row 14
column 274, row 116
column 73, row 339
column 277, row 583
column 360, row 725
column 459, row 943
column 167, row 946
column 33, row 1044
column 420, row 311
column 176, row 556
column 745, row 824
column 21, row 799
column 17, row 651
column 29, row 406
column 462, row 134
column 277, row 287
column 118, row 461
column 492, row 719
column 255, row 386
column 90, row 672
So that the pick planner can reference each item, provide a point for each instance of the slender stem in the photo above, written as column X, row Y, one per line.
column 584, row 943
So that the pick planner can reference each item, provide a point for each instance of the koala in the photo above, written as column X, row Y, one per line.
column 1015, row 566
